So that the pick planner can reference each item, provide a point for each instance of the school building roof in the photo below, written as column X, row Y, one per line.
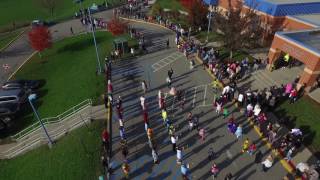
column 313, row 19
column 211, row 2
column 285, row 7
column 291, row 1
column 309, row 39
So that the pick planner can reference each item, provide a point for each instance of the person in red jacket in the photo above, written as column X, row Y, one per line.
column 145, row 117
column 105, row 135
column 110, row 88
column 105, row 140
column 293, row 96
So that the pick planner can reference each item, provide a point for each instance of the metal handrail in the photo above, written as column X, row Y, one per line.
column 13, row 150
column 30, row 129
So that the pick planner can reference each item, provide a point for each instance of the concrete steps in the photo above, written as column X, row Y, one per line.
column 263, row 78
column 315, row 95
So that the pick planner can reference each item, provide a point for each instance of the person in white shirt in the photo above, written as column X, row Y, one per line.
column 168, row 81
column 142, row 102
column 257, row 110
column 144, row 86
column 240, row 99
column 267, row 163
column 219, row 107
column 179, row 155
column 249, row 110
column 121, row 123
column 155, row 157
column 226, row 90
column 160, row 99
column 174, row 145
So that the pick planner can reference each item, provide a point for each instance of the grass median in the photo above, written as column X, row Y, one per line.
column 303, row 114
column 74, row 157
column 23, row 12
column 69, row 72
column 173, row 5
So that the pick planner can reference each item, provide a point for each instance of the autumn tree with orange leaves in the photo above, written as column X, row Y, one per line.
column 116, row 26
column 197, row 12
column 40, row 38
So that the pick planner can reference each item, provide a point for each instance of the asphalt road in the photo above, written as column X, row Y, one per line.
column 199, row 99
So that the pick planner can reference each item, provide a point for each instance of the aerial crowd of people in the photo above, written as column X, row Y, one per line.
column 254, row 104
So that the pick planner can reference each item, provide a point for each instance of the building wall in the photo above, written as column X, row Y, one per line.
column 310, row 59
column 295, row 24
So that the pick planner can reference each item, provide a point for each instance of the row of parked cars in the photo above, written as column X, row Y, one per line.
column 13, row 96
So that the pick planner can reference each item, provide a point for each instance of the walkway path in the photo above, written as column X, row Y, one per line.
column 56, row 130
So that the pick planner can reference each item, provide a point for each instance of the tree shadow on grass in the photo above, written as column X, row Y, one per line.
column 290, row 122
column 79, row 45
column 41, row 93
column 308, row 135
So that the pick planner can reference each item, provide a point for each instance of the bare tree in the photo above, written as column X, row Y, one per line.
column 241, row 27
column 49, row 5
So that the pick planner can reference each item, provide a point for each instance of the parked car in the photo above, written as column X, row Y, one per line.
column 22, row 84
column 38, row 23
column 11, row 100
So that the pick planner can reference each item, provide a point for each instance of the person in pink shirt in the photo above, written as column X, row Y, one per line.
column 288, row 88
column 202, row 134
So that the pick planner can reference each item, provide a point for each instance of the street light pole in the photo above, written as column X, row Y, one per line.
column 209, row 23
column 81, row 6
column 95, row 43
column 31, row 97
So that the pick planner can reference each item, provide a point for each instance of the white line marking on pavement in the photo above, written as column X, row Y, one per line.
column 166, row 61
column 22, row 65
column 194, row 96
column 205, row 95
column 229, row 155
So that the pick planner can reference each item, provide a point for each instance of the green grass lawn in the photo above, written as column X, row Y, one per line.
column 69, row 72
column 173, row 5
column 7, row 37
column 212, row 37
column 24, row 11
column 74, row 157
column 237, row 55
column 305, row 114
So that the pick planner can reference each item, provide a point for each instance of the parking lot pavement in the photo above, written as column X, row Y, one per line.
column 227, row 148
column 127, row 77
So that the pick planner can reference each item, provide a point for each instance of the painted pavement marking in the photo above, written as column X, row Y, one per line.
column 205, row 95
column 229, row 155
column 166, row 61
column 194, row 96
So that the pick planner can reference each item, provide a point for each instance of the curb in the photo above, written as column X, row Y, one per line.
column 145, row 22
column 288, row 166
column 22, row 65
column 14, row 39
